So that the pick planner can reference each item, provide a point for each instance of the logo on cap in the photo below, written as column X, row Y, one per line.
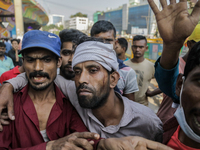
column 50, row 36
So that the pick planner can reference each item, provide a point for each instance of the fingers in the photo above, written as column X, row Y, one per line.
column 87, row 135
column 163, row 3
column 11, row 110
column 196, row 12
column 156, row 146
column 172, row 1
column 153, row 6
column 4, row 122
column 83, row 143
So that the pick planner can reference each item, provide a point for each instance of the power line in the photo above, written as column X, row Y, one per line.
column 71, row 7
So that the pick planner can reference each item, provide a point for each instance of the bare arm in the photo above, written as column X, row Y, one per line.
column 130, row 96
column 153, row 93
column 175, row 24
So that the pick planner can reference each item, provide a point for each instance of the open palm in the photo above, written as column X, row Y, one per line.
column 174, row 22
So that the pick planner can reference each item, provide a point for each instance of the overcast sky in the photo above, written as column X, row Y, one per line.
column 71, row 7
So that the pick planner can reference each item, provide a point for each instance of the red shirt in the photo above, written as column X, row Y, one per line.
column 24, row 132
column 176, row 144
column 9, row 74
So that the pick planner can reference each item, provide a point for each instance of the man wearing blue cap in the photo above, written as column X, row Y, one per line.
column 43, row 113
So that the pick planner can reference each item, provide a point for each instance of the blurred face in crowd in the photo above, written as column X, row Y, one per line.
column 67, row 54
column 92, row 84
column 119, row 50
column 15, row 45
column 108, row 37
column 139, row 47
column 41, row 68
column 2, row 51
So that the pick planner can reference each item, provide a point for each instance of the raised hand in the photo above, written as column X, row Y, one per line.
column 174, row 22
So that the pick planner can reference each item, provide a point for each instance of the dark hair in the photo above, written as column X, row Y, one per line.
column 102, row 26
column 15, row 40
column 123, row 43
column 70, row 35
column 193, row 59
column 2, row 44
column 86, row 38
column 139, row 37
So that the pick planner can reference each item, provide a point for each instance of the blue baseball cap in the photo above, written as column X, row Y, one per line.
column 41, row 39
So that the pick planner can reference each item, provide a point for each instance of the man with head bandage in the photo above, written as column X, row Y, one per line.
column 103, row 110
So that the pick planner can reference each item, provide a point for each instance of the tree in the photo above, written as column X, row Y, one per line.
column 79, row 14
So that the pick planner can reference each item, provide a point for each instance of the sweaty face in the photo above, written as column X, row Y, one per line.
column 67, row 54
column 108, row 37
column 41, row 68
column 15, row 45
column 92, row 84
column 2, row 51
column 119, row 50
column 191, row 99
column 139, row 47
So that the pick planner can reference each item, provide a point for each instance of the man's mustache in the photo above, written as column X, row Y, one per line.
column 83, row 86
column 39, row 73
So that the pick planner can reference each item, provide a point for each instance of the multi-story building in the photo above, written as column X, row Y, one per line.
column 56, row 19
column 79, row 23
column 134, row 18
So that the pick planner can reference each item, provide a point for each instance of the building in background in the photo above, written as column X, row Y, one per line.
column 133, row 18
column 56, row 19
column 79, row 23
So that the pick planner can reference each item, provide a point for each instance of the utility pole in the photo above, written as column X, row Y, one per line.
column 147, row 21
column 19, row 18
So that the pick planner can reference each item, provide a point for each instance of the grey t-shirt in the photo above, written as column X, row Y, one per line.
column 137, row 120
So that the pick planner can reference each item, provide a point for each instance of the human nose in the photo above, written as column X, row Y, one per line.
column 71, row 57
column 38, row 65
column 84, row 77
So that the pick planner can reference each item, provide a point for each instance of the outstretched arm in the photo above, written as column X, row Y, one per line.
column 175, row 24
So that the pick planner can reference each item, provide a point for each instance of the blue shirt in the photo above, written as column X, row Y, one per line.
column 6, row 64
column 167, row 80
column 8, row 47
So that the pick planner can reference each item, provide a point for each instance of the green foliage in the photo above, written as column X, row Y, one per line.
column 52, row 26
column 79, row 14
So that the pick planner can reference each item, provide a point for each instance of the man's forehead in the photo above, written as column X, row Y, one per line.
column 38, row 52
column 108, row 34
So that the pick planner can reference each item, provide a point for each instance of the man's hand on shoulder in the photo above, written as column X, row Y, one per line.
column 74, row 141
column 6, row 101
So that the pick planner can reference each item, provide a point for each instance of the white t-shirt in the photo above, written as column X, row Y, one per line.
column 145, row 72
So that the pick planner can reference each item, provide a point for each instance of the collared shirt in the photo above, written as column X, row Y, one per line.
column 9, row 74
column 24, row 132
column 137, row 120
column 6, row 64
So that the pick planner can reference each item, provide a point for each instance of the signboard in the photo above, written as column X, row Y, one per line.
column 140, row 31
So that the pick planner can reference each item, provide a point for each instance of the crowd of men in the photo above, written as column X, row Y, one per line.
column 9, row 57
column 99, row 98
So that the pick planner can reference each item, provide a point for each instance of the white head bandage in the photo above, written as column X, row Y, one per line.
column 96, row 51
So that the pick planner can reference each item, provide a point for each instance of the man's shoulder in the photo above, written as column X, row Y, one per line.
column 148, row 62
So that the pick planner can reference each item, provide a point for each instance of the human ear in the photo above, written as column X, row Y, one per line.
column 59, row 63
column 179, row 83
column 114, row 77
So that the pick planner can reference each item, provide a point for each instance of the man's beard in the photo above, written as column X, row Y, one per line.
column 2, row 53
column 68, row 75
column 95, row 101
